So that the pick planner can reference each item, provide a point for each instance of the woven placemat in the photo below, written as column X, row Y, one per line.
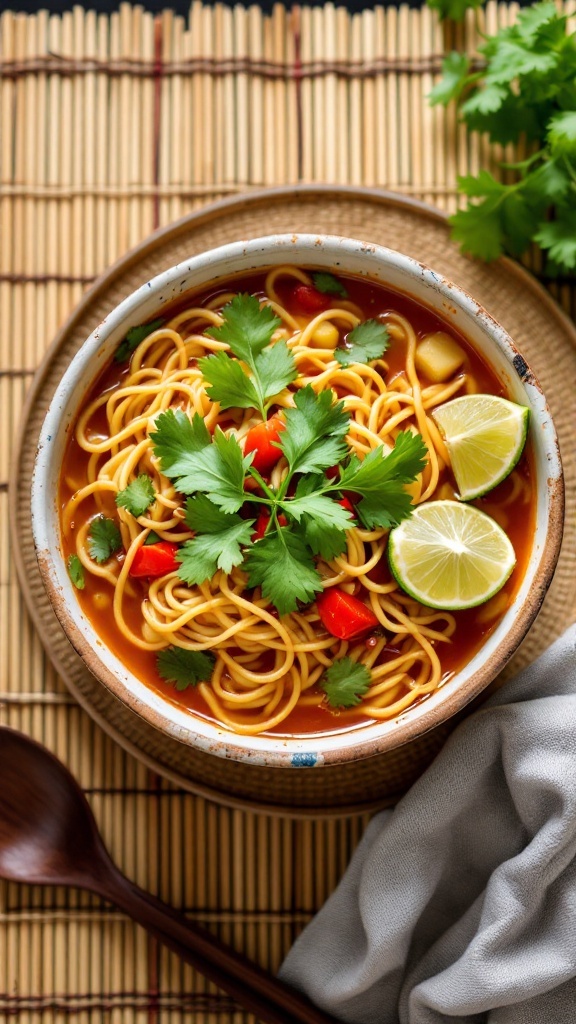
column 111, row 126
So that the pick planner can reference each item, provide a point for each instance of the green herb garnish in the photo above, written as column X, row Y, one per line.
column 76, row 572
column 248, row 329
column 104, row 539
column 345, row 683
column 137, row 496
column 369, row 340
column 133, row 338
column 527, row 89
column 213, row 472
column 184, row 668
column 328, row 284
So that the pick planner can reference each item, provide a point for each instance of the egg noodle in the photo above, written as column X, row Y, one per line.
column 265, row 664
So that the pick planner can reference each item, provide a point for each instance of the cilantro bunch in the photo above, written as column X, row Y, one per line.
column 527, row 90
column 305, row 517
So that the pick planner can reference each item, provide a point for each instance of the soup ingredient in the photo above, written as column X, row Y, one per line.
column 263, row 441
column 343, row 615
column 327, row 283
column 310, row 300
column 527, row 89
column 282, row 562
column 184, row 668
column 438, row 357
column 220, row 537
column 137, row 496
column 450, row 555
column 104, row 539
column 135, row 336
column 76, row 572
column 154, row 560
column 369, row 340
column 325, row 336
column 485, row 436
column 345, row 683
column 248, row 328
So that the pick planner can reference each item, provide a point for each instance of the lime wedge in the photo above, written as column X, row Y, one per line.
column 449, row 555
column 484, row 435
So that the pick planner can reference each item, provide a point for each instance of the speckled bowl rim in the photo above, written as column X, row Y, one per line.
column 368, row 740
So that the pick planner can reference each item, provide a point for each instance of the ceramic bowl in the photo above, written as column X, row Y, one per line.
column 398, row 272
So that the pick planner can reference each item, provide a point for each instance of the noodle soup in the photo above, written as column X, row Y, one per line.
column 264, row 668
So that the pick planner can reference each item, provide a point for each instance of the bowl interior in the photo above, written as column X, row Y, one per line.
column 397, row 272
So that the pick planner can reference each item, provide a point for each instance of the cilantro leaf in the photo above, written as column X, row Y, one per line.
column 184, row 668
column 478, row 229
column 217, row 470
column 315, row 430
column 76, row 572
column 455, row 68
column 247, row 328
column 137, row 496
column 104, row 539
column 559, row 239
column 133, row 338
column 217, row 544
column 318, row 506
column 562, row 131
column 367, row 341
column 275, row 368
column 175, row 438
column 453, row 9
column 328, row 284
column 230, row 385
column 327, row 541
column 345, row 683
column 379, row 478
column 152, row 538
column 283, row 566
column 198, row 463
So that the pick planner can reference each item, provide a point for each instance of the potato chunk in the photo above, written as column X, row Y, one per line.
column 325, row 336
column 438, row 357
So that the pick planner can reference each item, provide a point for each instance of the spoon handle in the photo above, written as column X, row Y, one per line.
column 268, row 998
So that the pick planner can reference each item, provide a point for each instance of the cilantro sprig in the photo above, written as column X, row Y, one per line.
column 526, row 89
column 184, row 668
column 104, row 539
column 76, row 572
column 328, row 284
column 137, row 496
column 133, row 338
column 345, row 683
column 248, row 328
column 305, row 517
column 369, row 340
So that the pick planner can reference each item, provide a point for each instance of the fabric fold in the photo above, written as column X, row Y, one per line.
column 460, row 905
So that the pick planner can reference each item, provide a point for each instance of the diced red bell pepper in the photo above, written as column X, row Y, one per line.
column 347, row 504
column 262, row 524
column 310, row 300
column 259, row 440
column 343, row 615
column 154, row 559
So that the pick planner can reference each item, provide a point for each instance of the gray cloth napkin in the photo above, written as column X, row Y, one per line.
column 460, row 905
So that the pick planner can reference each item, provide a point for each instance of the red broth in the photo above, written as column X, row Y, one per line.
column 516, row 516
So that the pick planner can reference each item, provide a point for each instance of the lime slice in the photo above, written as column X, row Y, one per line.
column 484, row 435
column 449, row 555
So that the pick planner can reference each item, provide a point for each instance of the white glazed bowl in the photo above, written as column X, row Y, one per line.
column 397, row 272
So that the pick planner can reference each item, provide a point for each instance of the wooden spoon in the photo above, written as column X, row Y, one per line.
column 48, row 836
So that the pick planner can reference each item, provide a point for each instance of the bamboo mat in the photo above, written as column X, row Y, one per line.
column 111, row 126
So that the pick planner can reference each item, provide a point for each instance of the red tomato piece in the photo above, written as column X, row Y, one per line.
column 347, row 504
column 262, row 523
column 310, row 300
column 259, row 440
column 154, row 559
column 343, row 615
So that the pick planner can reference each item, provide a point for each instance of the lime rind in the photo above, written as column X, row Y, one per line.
column 450, row 556
column 485, row 437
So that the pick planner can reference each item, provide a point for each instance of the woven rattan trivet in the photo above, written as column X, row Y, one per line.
column 541, row 331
